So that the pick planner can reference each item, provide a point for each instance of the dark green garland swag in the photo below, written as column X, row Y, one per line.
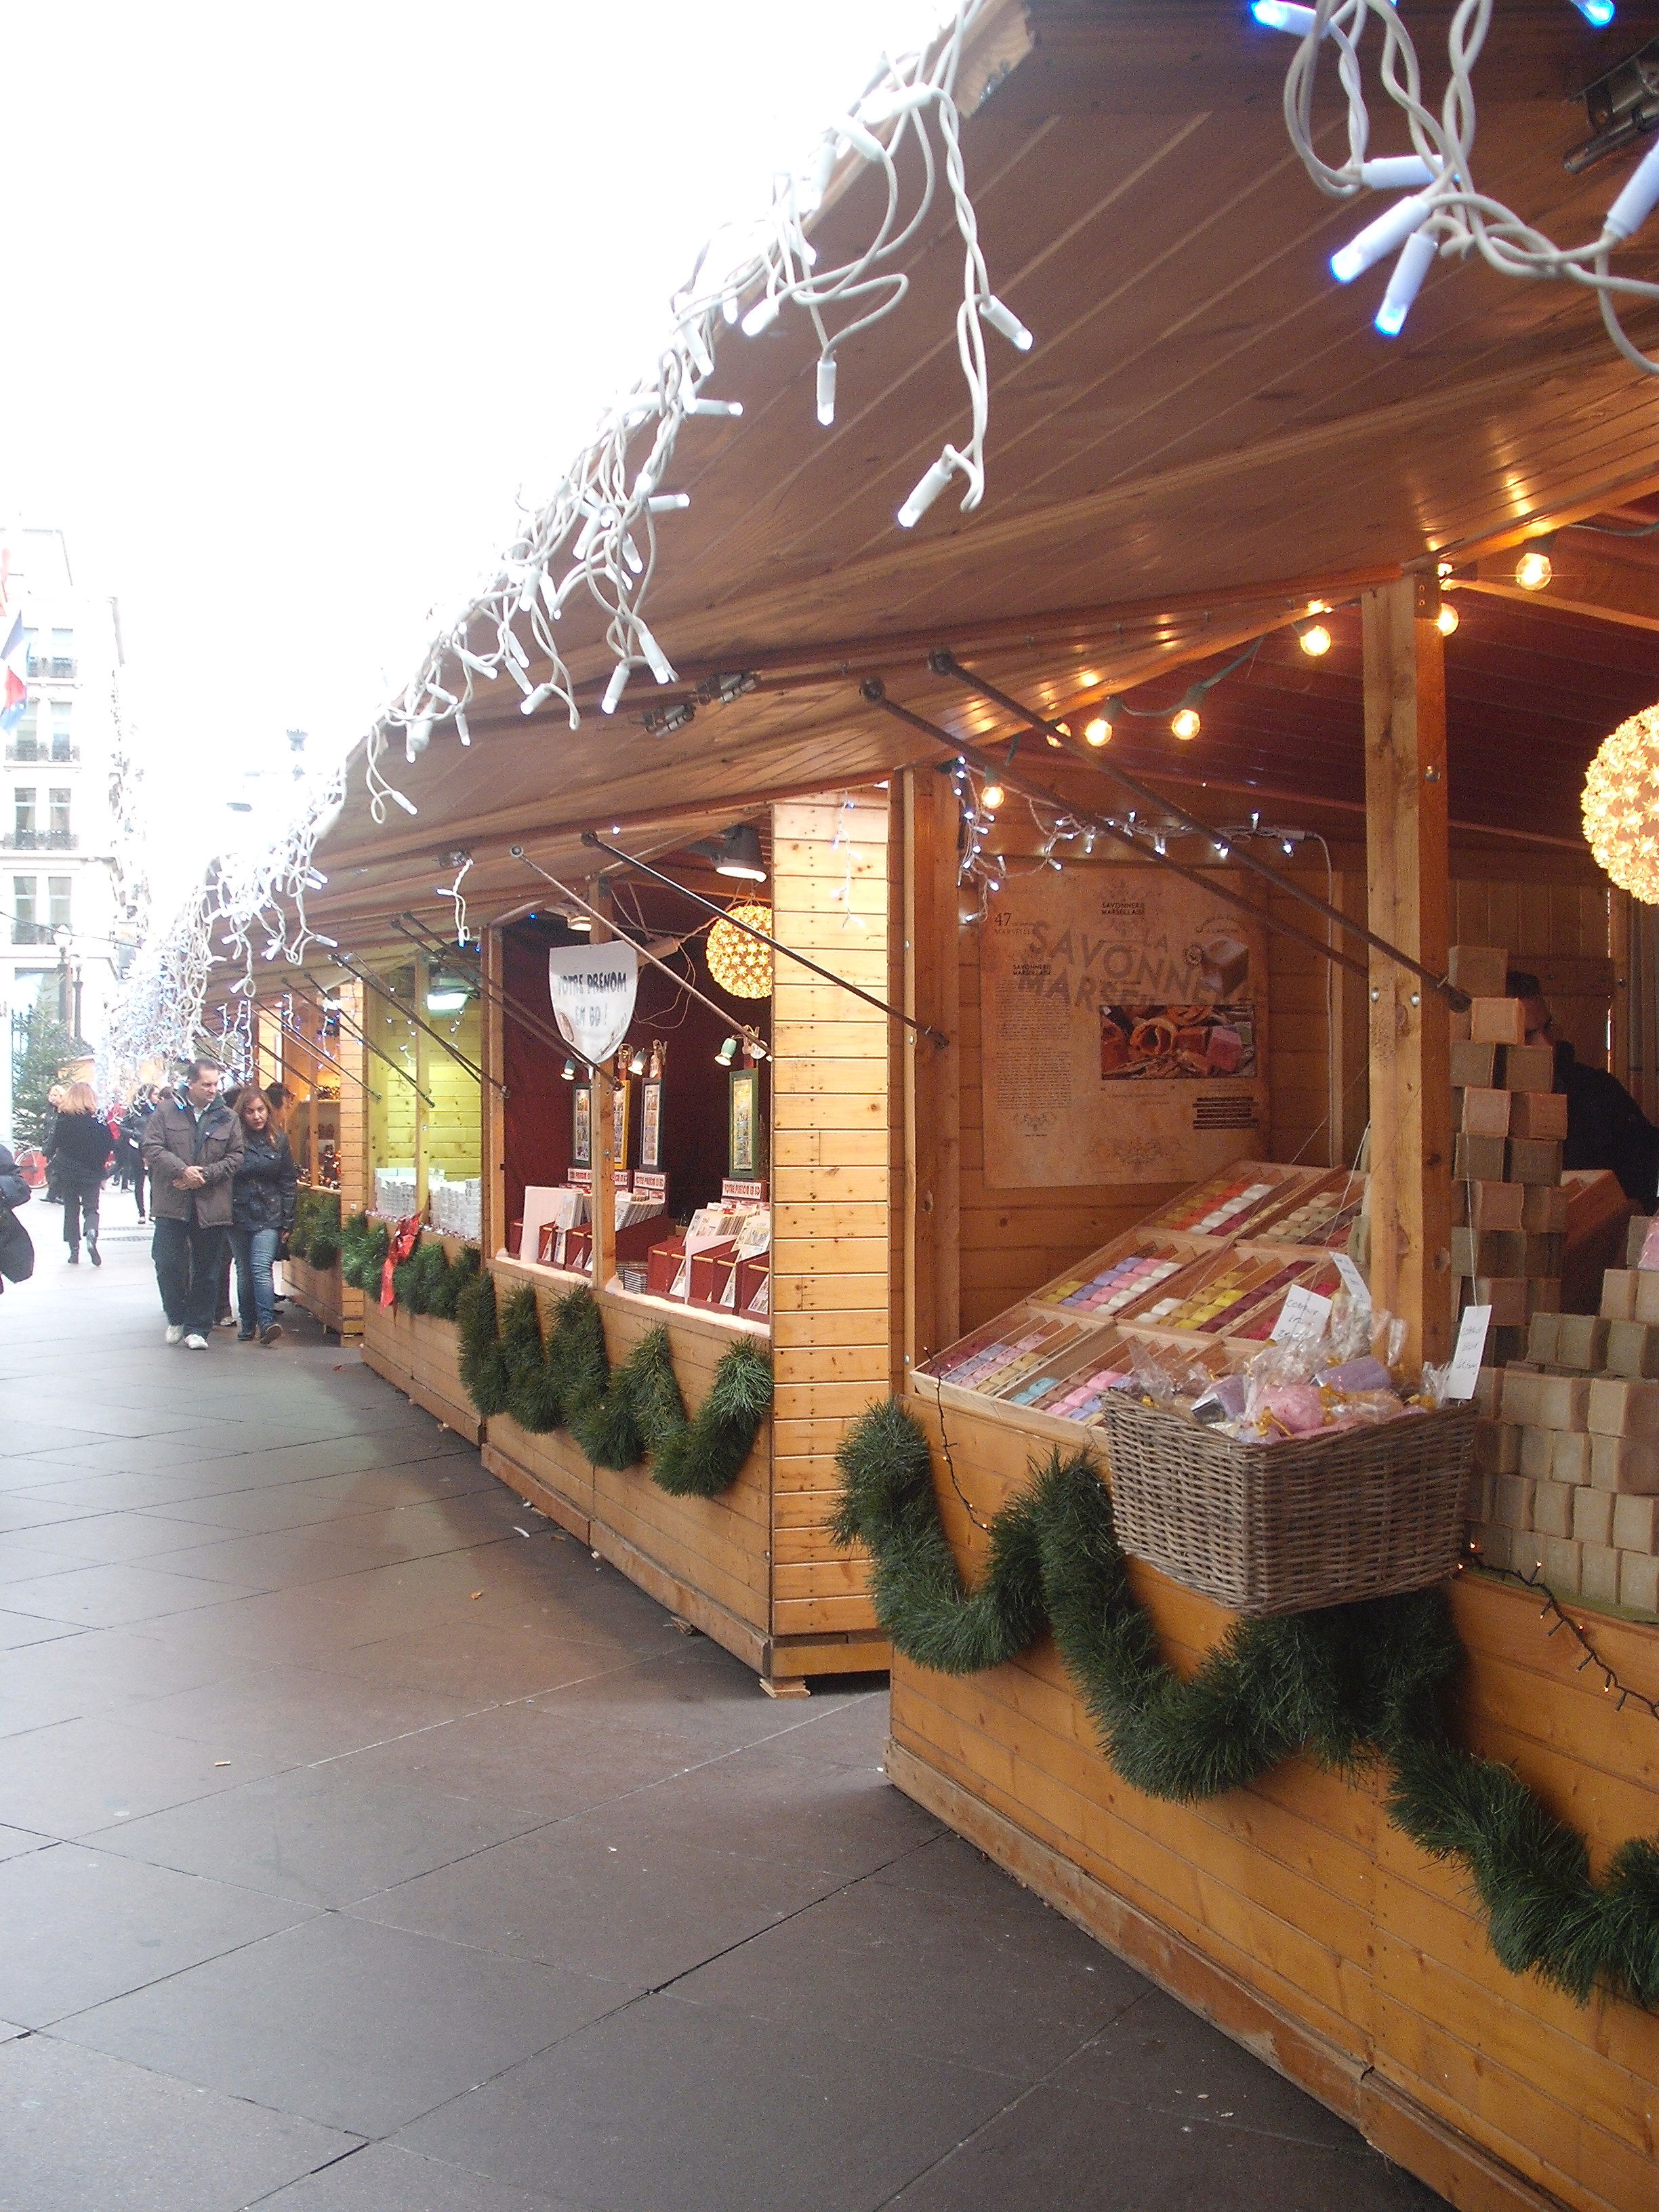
column 616, row 1418
column 1346, row 1685
column 315, row 1236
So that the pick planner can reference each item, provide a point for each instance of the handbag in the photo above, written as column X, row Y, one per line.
column 16, row 1251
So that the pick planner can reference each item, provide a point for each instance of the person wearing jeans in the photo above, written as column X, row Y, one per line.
column 262, row 1207
column 77, row 1156
column 193, row 1148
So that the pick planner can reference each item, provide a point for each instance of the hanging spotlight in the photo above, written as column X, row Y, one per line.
column 1099, row 732
column 1447, row 619
column 1185, row 723
column 569, row 1071
column 1314, row 639
column 741, row 854
column 581, row 923
column 990, row 796
column 636, row 1061
column 727, row 1053
column 1534, row 570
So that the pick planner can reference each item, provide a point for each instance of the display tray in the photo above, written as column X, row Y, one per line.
column 1215, row 1296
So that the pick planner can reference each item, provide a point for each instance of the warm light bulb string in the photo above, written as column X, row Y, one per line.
column 1556, row 1614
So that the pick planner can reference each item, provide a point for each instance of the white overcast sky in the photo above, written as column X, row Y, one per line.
column 298, row 298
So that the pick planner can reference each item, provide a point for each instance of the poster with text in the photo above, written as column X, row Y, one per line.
column 1124, row 1014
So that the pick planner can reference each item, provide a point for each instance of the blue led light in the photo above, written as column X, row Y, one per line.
column 1599, row 12
column 1286, row 16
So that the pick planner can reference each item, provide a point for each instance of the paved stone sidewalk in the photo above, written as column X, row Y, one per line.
column 360, row 1852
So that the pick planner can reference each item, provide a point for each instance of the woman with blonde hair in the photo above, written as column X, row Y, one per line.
column 78, row 1154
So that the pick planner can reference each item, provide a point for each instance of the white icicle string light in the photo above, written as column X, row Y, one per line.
column 250, row 909
column 1447, row 208
column 597, row 534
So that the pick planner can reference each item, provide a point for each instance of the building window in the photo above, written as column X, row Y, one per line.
column 57, row 901
column 22, row 903
column 63, row 644
column 62, row 712
column 59, row 799
column 23, row 799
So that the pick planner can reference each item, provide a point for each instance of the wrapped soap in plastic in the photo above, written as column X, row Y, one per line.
column 1222, row 1402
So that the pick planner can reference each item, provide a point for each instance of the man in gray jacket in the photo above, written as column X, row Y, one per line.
column 192, row 1147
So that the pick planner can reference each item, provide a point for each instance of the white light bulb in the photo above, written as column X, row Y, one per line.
column 478, row 667
column 1396, row 173
column 533, row 700
column 1416, row 259
column 762, row 316
column 662, row 668
column 408, row 807
column 527, row 588
column 614, row 689
column 926, row 493
column 510, row 643
column 461, row 730
column 827, row 390
column 417, row 738
column 1635, row 203
column 1385, row 235
column 698, row 406
column 1006, row 323
column 668, row 503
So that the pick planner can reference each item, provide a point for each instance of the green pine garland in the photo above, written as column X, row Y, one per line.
column 315, row 1236
column 1346, row 1685
column 363, row 1247
column 564, row 1380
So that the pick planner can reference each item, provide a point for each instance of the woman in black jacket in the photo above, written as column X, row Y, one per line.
column 77, row 1155
column 261, row 1208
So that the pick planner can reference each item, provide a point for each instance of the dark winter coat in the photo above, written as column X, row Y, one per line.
column 14, row 1191
column 263, row 1195
column 79, row 1148
column 176, row 1137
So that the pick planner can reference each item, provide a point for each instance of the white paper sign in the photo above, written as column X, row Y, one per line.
column 1304, row 1313
column 1463, row 1376
column 592, row 988
column 1352, row 1281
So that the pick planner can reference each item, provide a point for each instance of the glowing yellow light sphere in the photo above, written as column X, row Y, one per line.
column 737, row 964
column 1621, row 807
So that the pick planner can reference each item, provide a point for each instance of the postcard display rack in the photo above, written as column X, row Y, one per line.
column 1207, row 1274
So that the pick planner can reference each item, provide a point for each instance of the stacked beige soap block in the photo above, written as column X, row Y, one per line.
column 1567, row 1451
column 1509, row 1210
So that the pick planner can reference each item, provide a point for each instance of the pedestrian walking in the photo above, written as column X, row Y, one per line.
column 262, row 1212
column 16, row 1252
column 77, row 1158
column 48, row 1124
column 192, row 1149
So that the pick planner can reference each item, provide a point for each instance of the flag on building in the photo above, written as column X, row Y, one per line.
column 15, row 695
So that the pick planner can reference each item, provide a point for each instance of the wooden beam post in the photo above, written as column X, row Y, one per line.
column 928, row 1171
column 492, row 1106
column 605, row 1197
column 1408, row 902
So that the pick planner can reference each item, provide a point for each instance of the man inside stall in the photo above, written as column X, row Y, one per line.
column 1606, row 1127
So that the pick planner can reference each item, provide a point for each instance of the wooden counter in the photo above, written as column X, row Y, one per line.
column 421, row 1355
column 1293, row 1914
column 712, row 1561
column 325, row 1293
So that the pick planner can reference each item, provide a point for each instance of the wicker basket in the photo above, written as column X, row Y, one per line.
column 1284, row 1527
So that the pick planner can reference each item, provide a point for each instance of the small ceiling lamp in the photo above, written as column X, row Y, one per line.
column 1446, row 619
column 582, row 922
column 727, row 1053
column 990, row 796
column 736, row 852
column 1314, row 639
column 1621, row 807
column 1534, row 569
column 569, row 1071
column 737, row 964
column 1099, row 730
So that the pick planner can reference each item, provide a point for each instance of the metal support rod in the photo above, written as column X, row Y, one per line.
column 329, row 1060
column 340, row 1015
column 876, row 692
column 371, row 982
column 757, row 1042
column 945, row 663
column 892, row 1014
column 418, row 935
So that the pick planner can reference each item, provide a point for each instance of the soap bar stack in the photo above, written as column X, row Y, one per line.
column 1509, row 1210
column 1567, row 1454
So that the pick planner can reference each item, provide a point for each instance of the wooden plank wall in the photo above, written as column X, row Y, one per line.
column 832, row 1285
column 684, row 1550
column 421, row 1355
column 1299, row 1890
column 450, row 1132
column 393, row 1120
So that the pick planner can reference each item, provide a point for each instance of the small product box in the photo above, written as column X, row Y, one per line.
column 1475, row 1065
column 711, row 1271
column 663, row 1263
column 1485, row 1205
column 1479, row 1159
column 1527, row 1067
column 1497, row 1021
column 1534, row 1160
column 1544, row 1213
column 1487, row 1113
column 1481, row 970
column 1537, row 1113
column 1491, row 1252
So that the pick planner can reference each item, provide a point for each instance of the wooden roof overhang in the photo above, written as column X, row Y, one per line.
column 1206, row 434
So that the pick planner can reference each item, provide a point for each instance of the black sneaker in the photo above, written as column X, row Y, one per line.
column 270, row 1334
column 245, row 1336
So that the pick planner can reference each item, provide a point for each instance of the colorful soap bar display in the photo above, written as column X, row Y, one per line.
column 1205, row 1279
